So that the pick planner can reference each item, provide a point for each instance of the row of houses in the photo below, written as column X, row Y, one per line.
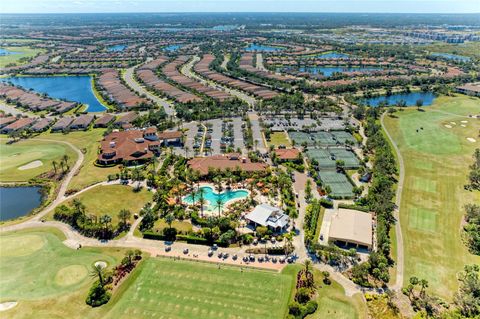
column 11, row 124
column 33, row 101
column 246, row 64
column 110, row 81
column 171, row 71
column 146, row 74
column 203, row 68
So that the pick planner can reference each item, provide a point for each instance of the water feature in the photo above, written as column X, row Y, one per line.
column 264, row 48
column 211, row 197
column 333, row 55
column 116, row 48
column 329, row 70
column 172, row 47
column 70, row 88
column 4, row 52
column 449, row 56
column 409, row 98
column 18, row 201
column 226, row 27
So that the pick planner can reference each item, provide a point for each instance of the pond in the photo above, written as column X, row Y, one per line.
column 4, row 52
column 333, row 55
column 172, row 47
column 116, row 48
column 409, row 98
column 329, row 70
column 264, row 48
column 18, row 201
column 211, row 197
column 448, row 56
column 71, row 88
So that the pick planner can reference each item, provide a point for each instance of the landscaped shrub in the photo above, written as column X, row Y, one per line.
column 97, row 295
column 153, row 235
column 326, row 203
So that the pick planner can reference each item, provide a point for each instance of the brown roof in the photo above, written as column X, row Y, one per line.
column 222, row 162
column 104, row 120
column 127, row 118
column 82, row 120
column 168, row 135
column 126, row 145
column 472, row 87
column 19, row 124
column 287, row 153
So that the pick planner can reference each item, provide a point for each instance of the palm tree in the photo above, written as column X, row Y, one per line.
column 78, row 206
column 105, row 220
column 98, row 271
column 65, row 158
column 124, row 215
column 201, row 200
column 54, row 164
column 169, row 220
column 219, row 205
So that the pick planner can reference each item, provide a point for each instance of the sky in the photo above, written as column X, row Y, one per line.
column 107, row 6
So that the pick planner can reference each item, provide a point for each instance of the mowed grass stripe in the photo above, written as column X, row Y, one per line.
column 183, row 289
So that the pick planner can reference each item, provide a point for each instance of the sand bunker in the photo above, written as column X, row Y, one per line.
column 471, row 139
column 448, row 126
column 31, row 165
column 463, row 125
column 453, row 123
column 101, row 264
column 464, row 121
column 4, row 306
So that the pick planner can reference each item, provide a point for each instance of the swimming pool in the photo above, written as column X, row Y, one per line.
column 211, row 197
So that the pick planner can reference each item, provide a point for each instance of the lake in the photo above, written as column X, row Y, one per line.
column 409, row 98
column 18, row 201
column 116, row 48
column 329, row 70
column 264, row 48
column 4, row 52
column 70, row 88
column 333, row 55
column 449, row 56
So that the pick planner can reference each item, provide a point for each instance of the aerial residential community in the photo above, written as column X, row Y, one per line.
column 166, row 164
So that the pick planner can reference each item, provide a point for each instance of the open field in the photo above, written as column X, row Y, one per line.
column 436, row 165
column 111, row 199
column 279, row 138
column 26, row 52
column 46, row 278
column 164, row 288
column 15, row 158
column 181, row 226
column 87, row 142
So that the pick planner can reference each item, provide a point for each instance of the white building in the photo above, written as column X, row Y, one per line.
column 268, row 216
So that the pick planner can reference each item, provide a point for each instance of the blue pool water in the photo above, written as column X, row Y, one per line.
column 211, row 197
column 116, row 48
column 172, row 48
column 333, row 55
column 70, row 88
column 264, row 48
column 329, row 70
column 18, row 201
column 409, row 98
column 7, row 52
column 454, row 57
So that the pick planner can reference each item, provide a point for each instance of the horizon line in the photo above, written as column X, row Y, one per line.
column 230, row 12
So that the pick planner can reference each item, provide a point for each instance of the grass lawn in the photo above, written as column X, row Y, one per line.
column 111, row 199
column 181, row 226
column 26, row 52
column 164, row 288
column 436, row 165
column 279, row 138
column 332, row 302
column 15, row 155
column 88, row 143
column 47, row 279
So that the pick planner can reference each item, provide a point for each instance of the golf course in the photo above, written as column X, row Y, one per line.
column 436, row 144
column 26, row 159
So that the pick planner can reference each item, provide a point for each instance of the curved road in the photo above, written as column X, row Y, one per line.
column 398, row 199
column 133, row 84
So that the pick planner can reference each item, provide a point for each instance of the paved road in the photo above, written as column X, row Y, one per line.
column 130, row 80
column 398, row 199
column 257, row 131
column 260, row 65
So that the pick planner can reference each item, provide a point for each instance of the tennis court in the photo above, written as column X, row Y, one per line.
column 351, row 161
column 323, row 139
column 323, row 157
column 343, row 136
column 339, row 184
column 301, row 137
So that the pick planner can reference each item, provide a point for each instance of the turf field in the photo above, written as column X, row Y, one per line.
column 45, row 277
column 436, row 165
column 25, row 52
column 14, row 156
column 179, row 289
column 111, row 199
column 279, row 138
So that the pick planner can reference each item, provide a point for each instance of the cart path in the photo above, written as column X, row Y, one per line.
column 398, row 199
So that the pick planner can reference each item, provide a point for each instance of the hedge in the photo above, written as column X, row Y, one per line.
column 153, row 235
column 354, row 207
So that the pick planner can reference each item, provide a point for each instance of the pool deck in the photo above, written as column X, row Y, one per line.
column 225, row 205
